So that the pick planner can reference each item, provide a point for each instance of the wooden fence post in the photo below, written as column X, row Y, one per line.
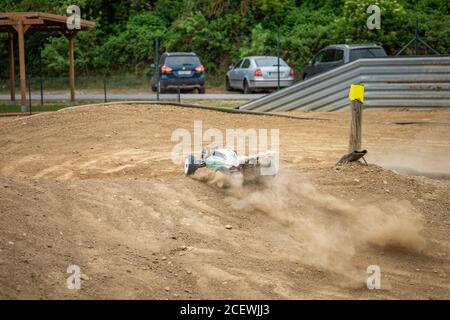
column 356, row 97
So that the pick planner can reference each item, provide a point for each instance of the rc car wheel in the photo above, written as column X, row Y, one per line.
column 189, row 165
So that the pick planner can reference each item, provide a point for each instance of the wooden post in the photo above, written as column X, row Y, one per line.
column 23, row 81
column 71, row 37
column 356, row 97
column 355, row 126
column 12, row 79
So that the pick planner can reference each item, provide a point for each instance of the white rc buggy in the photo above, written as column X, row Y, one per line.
column 227, row 161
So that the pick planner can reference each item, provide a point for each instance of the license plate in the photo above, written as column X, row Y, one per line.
column 275, row 74
column 184, row 72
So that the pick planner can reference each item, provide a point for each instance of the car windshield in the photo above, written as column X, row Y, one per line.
column 269, row 62
column 367, row 53
column 182, row 61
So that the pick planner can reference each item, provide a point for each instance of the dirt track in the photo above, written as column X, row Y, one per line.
column 96, row 187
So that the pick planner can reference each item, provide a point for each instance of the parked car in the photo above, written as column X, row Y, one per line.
column 258, row 72
column 179, row 69
column 336, row 55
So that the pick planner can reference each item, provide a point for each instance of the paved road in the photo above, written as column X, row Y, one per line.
column 140, row 96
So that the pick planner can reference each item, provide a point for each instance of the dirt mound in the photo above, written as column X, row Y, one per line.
column 96, row 187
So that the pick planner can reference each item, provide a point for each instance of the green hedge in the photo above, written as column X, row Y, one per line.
column 220, row 31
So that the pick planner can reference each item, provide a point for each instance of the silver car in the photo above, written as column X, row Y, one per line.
column 258, row 72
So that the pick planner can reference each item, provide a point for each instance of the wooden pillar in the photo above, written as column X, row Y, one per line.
column 23, row 88
column 12, row 79
column 71, row 37
column 355, row 126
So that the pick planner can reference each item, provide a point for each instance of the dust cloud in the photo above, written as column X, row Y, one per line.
column 425, row 155
column 326, row 231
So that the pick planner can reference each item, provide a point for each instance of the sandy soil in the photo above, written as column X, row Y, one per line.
column 96, row 187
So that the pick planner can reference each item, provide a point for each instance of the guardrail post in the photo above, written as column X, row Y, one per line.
column 41, row 80
column 104, row 88
column 356, row 97
column 278, row 58
column 12, row 80
column 29, row 94
column 158, row 85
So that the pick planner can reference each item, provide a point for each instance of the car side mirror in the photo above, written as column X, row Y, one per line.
column 231, row 67
column 311, row 62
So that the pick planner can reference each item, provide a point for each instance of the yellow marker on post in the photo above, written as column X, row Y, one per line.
column 356, row 97
column 356, row 92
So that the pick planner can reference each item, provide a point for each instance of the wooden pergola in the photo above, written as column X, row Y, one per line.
column 22, row 22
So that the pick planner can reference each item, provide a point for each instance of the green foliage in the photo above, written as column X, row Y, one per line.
column 353, row 27
column 221, row 31
column 170, row 10
column 55, row 56
column 258, row 42
column 133, row 46
column 216, row 41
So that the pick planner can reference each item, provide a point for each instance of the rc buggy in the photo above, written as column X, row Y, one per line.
column 227, row 161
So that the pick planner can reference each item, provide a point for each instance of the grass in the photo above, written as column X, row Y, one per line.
column 217, row 103
column 6, row 107
column 114, row 83
column 48, row 107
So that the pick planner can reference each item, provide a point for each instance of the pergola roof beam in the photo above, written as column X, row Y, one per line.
column 9, row 18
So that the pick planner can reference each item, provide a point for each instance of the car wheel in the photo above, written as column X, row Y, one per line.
column 227, row 84
column 153, row 88
column 189, row 165
column 247, row 89
column 201, row 90
column 305, row 76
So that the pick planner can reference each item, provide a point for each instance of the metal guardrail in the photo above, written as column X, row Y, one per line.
column 389, row 82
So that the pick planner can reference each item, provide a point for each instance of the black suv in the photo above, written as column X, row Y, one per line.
column 180, row 69
column 336, row 55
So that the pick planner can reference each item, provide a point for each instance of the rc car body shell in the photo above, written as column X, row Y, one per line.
column 222, row 159
column 225, row 160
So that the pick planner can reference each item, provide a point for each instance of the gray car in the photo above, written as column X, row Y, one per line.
column 257, row 73
column 336, row 55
